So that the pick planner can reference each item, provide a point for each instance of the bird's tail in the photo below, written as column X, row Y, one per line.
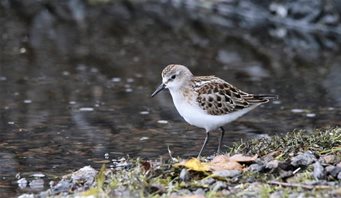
column 266, row 96
column 262, row 98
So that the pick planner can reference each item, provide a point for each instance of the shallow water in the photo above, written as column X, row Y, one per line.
column 73, row 91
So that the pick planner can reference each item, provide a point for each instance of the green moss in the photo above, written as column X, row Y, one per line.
column 321, row 141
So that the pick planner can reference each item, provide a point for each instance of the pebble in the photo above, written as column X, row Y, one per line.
column 285, row 174
column 207, row 181
column 62, row 186
column 304, row 159
column 318, row 172
column 184, row 176
column 199, row 193
column 87, row 174
column 276, row 194
column 329, row 168
column 335, row 171
column 37, row 184
column 272, row 164
column 227, row 173
column 256, row 167
column 339, row 176
column 218, row 186
column 22, row 183
column 328, row 159
column 27, row 196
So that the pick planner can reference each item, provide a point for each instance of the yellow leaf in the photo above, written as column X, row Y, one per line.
column 194, row 164
column 91, row 192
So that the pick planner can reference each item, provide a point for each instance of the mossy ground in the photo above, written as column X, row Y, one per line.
column 143, row 178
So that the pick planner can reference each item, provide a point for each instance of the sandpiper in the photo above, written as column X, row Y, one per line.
column 207, row 101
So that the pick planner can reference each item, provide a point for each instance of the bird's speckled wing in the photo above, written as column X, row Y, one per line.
column 218, row 97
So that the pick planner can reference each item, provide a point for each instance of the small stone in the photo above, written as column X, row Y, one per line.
column 227, row 173
column 256, row 167
column 184, row 176
column 338, row 164
column 87, row 174
column 62, row 186
column 218, row 186
column 37, row 184
column 318, row 172
column 272, row 164
column 304, row 159
column 336, row 170
column 22, row 183
column 329, row 168
column 199, row 192
column 285, row 174
column 339, row 176
column 276, row 194
column 207, row 181
column 27, row 196
column 328, row 159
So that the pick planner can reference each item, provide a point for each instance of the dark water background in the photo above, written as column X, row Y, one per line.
column 76, row 79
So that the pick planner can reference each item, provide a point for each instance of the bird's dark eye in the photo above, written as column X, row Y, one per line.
column 173, row 77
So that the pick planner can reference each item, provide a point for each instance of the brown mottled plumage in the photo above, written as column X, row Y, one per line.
column 218, row 97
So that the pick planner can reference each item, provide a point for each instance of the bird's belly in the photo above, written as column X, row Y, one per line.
column 194, row 115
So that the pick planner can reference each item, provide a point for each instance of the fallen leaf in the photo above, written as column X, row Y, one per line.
column 230, row 165
column 243, row 158
column 220, row 159
column 194, row 164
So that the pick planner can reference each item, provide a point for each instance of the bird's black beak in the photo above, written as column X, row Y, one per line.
column 160, row 88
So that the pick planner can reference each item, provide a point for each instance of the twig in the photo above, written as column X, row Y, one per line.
column 170, row 154
column 299, row 185
column 298, row 169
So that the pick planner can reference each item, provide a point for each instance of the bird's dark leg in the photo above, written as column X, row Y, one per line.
column 222, row 131
column 205, row 142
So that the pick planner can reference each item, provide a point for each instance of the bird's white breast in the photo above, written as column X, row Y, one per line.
column 189, row 109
